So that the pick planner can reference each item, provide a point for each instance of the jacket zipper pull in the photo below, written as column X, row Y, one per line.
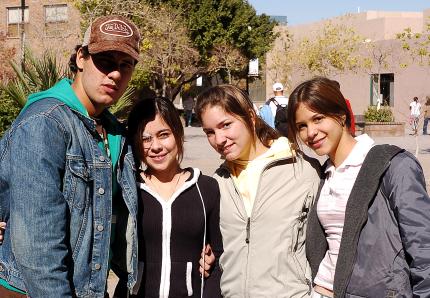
column 248, row 234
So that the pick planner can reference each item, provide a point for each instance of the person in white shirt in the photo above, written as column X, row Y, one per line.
column 268, row 110
column 415, row 108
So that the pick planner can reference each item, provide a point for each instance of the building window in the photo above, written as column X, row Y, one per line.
column 56, row 13
column 56, row 17
column 14, row 21
column 385, row 82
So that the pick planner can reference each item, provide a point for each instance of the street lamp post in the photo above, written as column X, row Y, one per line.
column 22, row 35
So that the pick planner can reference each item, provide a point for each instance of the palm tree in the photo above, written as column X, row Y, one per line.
column 34, row 75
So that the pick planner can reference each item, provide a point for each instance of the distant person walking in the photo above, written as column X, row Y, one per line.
column 188, row 104
column 274, row 111
column 415, row 108
column 426, row 115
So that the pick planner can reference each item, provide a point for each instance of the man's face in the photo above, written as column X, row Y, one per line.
column 104, row 78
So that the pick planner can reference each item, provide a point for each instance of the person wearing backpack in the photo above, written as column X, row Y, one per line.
column 274, row 111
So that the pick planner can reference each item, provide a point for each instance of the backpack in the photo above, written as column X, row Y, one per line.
column 281, row 124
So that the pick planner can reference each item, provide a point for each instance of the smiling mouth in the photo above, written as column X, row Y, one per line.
column 158, row 157
column 316, row 144
column 227, row 148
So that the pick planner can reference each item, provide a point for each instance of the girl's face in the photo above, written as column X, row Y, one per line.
column 228, row 135
column 319, row 132
column 160, row 149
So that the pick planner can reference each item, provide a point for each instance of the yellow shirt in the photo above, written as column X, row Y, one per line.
column 246, row 174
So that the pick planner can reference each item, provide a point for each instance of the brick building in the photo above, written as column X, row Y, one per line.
column 48, row 25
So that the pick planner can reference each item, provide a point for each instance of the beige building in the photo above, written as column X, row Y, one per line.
column 48, row 25
column 398, row 84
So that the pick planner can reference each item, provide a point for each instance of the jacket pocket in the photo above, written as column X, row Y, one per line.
column 184, row 279
column 298, row 250
column 189, row 279
column 78, row 180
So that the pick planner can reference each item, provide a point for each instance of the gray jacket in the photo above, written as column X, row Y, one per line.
column 264, row 254
column 385, row 246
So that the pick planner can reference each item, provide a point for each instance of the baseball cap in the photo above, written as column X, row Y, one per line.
column 112, row 33
column 278, row 87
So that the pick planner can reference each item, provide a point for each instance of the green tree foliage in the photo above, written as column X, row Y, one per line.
column 232, row 22
column 8, row 112
column 333, row 49
column 416, row 44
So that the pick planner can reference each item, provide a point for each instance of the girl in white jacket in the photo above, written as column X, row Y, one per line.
column 266, row 191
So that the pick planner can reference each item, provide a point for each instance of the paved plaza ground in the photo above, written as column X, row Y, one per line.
column 198, row 153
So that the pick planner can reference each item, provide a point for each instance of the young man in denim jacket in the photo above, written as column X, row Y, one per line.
column 67, row 184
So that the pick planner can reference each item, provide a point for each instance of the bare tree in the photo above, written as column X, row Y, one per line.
column 228, row 58
column 6, row 55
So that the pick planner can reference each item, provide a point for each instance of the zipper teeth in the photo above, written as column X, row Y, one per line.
column 247, row 256
column 248, row 232
column 164, row 290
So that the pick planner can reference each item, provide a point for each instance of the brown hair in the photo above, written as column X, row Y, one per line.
column 145, row 111
column 320, row 95
column 72, row 60
column 236, row 102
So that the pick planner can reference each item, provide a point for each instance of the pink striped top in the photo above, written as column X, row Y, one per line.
column 332, row 204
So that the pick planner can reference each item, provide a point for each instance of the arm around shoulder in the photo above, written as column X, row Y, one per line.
column 212, row 287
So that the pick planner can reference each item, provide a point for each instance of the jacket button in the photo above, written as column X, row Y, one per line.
column 102, row 158
column 1, row 268
column 101, row 191
column 100, row 228
column 97, row 266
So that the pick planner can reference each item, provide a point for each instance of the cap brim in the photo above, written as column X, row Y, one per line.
column 109, row 46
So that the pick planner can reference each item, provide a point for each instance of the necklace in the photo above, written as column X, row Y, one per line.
column 103, row 135
column 167, row 193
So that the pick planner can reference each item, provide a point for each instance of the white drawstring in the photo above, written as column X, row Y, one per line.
column 204, row 242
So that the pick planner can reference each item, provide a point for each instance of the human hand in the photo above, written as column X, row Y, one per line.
column 206, row 261
column 2, row 228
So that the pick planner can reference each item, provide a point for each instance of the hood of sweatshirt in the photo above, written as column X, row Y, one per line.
column 63, row 92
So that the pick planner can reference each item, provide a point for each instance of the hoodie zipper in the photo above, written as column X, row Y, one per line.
column 248, row 222
column 248, row 232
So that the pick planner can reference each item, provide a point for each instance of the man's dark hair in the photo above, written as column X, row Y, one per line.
column 72, row 61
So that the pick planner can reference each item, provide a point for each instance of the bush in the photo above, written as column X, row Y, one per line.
column 384, row 114
column 8, row 112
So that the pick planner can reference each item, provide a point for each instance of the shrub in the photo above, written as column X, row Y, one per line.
column 384, row 114
column 8, row 112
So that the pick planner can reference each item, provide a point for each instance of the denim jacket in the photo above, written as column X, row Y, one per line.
column 56, row 196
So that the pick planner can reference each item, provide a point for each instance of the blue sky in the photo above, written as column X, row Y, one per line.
column 304, row 11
